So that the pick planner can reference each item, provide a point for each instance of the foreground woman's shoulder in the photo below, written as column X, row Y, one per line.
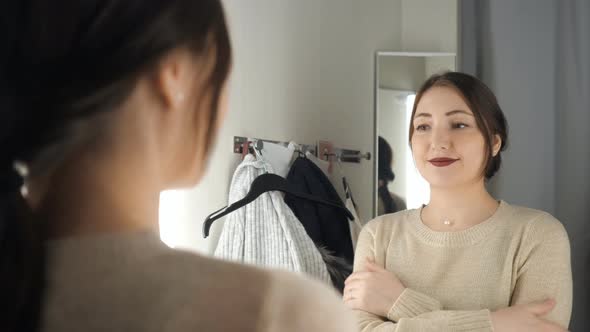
column 245, row 298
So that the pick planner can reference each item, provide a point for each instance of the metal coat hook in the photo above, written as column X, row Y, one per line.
column 345, row 155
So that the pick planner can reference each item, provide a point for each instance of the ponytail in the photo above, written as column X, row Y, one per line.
column 389, row 205
column 22, row 257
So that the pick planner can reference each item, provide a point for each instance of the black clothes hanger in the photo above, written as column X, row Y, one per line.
column 260, row 185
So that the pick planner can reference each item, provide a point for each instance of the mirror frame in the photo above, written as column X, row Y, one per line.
column 379, row 54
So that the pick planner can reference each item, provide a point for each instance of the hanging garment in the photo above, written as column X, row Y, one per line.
column 278, row 156
column 326, row 226
column 338, row 268
column 322, row 164
column 356, row 224
column 266, row 232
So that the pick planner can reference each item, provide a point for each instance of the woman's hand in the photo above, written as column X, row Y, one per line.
column 374, row 290
column 525, row 317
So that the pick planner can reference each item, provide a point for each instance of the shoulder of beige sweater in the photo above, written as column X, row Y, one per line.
column 205, row 294
column 538, row 224
column 297, row 303
column 237, row 297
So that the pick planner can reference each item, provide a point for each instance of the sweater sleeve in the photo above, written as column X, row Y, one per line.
column 411, row 303
column 413, row 311
column 435, row 321
column 544, row 268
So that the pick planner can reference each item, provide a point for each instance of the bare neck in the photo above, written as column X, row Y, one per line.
column 458, row 208
column 92, row 195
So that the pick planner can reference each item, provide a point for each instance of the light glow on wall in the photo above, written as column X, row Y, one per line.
column 417, row 189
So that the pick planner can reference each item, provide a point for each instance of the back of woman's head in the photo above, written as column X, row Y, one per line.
column 63, row 65
column 385, row 160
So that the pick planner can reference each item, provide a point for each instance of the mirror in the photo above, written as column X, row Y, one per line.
column 398, row 185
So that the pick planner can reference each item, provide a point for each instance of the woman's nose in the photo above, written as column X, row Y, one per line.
column 440, row 139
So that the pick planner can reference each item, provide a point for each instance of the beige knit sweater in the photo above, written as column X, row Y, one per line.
column 133, row 282
column 454, row 279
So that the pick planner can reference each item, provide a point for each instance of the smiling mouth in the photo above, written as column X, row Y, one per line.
column 442, row 162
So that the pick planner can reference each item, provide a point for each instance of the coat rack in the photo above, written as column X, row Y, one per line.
column 344, row 155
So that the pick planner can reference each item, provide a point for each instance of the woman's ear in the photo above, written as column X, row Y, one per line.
column 497, row 145
column 173, row 78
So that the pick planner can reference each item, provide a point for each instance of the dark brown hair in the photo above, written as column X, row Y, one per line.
column 65, row 63
column 483, row 103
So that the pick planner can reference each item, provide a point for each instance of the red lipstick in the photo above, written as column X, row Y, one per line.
column 442, row 162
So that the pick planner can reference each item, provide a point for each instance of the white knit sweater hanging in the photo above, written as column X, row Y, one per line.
column 266, row 232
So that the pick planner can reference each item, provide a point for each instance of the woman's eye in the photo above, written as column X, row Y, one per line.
column 460, row 125
column 421, row 127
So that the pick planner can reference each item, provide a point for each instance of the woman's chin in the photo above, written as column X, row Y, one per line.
column 444, row 182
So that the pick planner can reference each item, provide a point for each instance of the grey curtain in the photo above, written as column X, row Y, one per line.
column 572, row 112
column 535, row 54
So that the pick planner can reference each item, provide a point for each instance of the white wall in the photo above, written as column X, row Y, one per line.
column 303, row 71
column 429, row 25
column 401, row 73
column 437, row 64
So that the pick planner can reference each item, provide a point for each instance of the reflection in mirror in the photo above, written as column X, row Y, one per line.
column 399, row 76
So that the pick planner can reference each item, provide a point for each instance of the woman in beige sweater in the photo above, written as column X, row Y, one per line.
column 104, row 104
column 465, row 261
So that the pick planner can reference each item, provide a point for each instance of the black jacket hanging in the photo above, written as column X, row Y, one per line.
column 327, row 226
